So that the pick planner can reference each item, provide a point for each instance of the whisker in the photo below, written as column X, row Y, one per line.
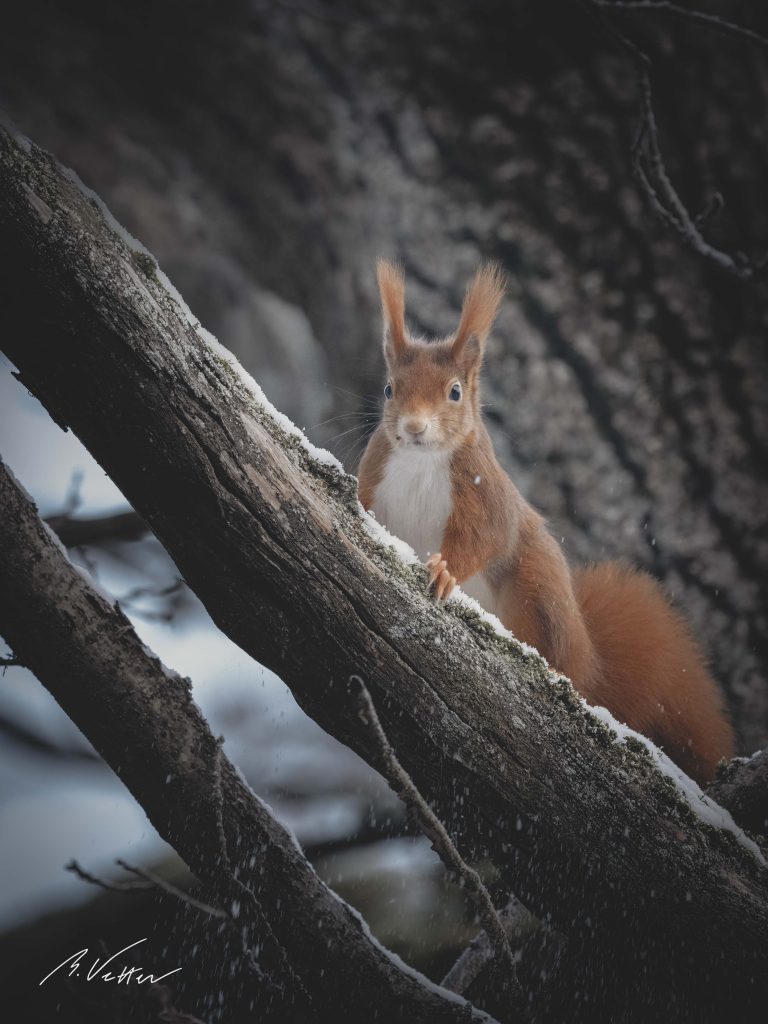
column 350, row 448
column 345, row 433
column 338, row 416
column 355, row 394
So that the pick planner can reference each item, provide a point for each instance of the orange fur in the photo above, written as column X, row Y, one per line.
column 652, row 674
column 481, row 303
column 610, row 630
column 392, row 290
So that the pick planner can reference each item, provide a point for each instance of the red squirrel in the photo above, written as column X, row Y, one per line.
column 430, row 475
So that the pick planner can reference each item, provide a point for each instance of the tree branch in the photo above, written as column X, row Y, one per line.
column 481, row 952
column 270, row 535
column 149, row 881
column 743, row 789
column 713, row 21
column 74, row 532
column 433, row 828
column 647, row 159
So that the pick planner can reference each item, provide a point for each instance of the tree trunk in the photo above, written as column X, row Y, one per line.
column 272, row 539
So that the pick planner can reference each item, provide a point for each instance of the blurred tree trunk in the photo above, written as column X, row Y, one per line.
column 267, row 152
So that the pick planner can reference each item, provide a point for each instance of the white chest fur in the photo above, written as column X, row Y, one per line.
column 413, row 499
column 414, row 502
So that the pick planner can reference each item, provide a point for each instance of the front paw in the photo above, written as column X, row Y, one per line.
column 441, row 582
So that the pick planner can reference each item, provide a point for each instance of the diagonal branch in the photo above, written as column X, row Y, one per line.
column 479, row 955
column 432, row 827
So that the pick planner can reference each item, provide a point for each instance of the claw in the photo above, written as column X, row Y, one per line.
column 441, row 582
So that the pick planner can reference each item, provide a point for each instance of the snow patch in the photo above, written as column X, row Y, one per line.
column 459, row 597
column 382, row 536
column 320, row 455
column 703, row 806
column 132, row 243
column 20, row 139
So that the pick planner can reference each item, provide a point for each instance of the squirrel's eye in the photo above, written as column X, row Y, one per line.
column 388, row 391
column 455, row 395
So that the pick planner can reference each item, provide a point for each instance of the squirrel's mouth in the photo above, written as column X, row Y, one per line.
column 417, row 442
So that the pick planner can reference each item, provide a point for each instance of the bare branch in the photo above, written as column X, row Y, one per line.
column 122, row 887
column 149, row 882
column 713, row 21
column 647, row 159
column 431, row 825
column 40, row 744
column 132, row 598
column 481, row 949
column 155, row 881
column 74, row 498
column 74, row 532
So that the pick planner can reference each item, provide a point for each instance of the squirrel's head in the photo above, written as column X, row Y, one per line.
column 432, row 395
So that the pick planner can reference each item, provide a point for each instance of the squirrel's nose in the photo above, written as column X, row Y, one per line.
column 415, row 425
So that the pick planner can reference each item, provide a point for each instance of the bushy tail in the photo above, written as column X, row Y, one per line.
column 652, row 675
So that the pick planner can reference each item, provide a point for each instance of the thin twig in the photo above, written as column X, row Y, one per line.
column 711, row 210
column 713, row 21
column 149, row 882
column 129, row 600
column 160, row 883
column 647, row 158
column 136, row 593
column 123, row 887
column 74, row 497
column 515, row 918
column 431, row 825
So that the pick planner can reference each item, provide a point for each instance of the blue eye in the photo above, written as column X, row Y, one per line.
column 455, row 395
column 388, row 391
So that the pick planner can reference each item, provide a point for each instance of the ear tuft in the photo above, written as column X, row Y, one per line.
column 392, row 290
column 481, row 304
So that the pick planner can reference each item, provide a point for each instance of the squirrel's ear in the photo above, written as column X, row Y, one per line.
column 392, row 291
column 481, row 304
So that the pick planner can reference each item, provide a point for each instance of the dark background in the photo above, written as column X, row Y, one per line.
column 267, row 153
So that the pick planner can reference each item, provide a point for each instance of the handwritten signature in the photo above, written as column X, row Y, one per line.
column 99, row 972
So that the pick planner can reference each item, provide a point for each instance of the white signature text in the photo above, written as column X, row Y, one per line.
column 99, row 972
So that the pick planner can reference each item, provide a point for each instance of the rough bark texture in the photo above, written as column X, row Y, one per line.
column 743, row 789
column 274, row 544
column 143, row 721
column 267, row 153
